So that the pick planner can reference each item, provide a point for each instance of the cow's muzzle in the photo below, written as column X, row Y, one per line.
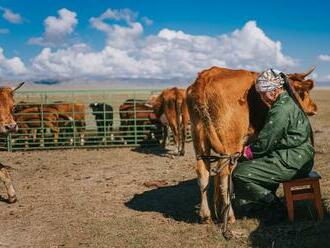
column 9, row 128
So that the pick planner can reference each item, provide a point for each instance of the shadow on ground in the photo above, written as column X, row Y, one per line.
column 179, row 202
column 5, row 200
column 154, row 150
column 306, row 231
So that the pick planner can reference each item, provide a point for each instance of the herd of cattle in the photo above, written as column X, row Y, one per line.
column 64, row 123
column 222, row 106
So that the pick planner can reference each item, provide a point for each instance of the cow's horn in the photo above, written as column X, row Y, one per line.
column 19, row 86
column 309, row 71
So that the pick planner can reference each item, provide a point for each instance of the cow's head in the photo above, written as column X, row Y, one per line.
column 7, row 122
column 302, row 87
column 94, row 106
column 155, row 102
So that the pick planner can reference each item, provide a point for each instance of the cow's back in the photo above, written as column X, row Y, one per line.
column 218, row 101
column 74, row 110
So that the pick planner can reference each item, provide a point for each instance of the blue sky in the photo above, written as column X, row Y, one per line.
column 96, row 40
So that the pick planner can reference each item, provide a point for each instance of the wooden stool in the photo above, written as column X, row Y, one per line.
column 311, row 193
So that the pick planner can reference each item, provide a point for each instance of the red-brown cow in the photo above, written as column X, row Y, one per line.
column 7, row 124
column 32, row 119
column 225, row 111
column 134, row 112
column 171, row 108
column 77, row 111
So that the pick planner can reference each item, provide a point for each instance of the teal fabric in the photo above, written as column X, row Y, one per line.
column 281, row 152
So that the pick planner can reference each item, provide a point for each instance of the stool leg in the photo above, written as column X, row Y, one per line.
column 289, row 202
column 317, row 200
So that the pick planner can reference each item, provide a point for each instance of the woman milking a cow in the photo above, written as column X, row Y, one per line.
column 282, row 151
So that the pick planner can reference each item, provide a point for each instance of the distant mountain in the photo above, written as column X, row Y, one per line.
column 117, row 83
column 47, row 81
column 113, row 83
column 322, row 84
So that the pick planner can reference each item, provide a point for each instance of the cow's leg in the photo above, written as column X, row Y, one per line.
column 165, row 130
column 82, row 138
column 82, row 132
column 170, row 114
column 26, row 138
column 174, row 128
column 183, row 140
column 203, row 174
column 34, row 135
column 184, row 128
column 185, row 125
column 6, row 179
column 202, row 147
column 42, row 137
column 221, row 196
column 55, row 130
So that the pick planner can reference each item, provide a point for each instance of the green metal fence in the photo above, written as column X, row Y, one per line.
column 82, row 119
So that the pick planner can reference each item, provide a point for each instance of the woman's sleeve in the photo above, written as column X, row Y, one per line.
column 273, row 131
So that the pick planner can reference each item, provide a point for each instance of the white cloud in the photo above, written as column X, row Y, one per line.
column 119, row 36
column 56, row 28
column 4, row 31
column 11, row 16
column 168, row 54
column 128, row 53
column 11, row 68
column 324, row 57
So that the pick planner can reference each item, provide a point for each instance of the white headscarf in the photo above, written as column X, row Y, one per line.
column 269, row 80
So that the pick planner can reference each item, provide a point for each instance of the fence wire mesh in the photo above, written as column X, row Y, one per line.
column 83, row 118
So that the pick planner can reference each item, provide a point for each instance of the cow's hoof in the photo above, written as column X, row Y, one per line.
column 231, row 219
column 227, row 234
column 12, row 199
column 206, row 220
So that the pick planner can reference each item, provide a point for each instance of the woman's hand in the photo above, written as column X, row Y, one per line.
column 247, row 152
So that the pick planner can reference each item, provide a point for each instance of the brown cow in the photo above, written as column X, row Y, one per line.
column 171, row 108
column 77, row 112
column 135, row 112
column 7, row 124
column 32, row 119
column 225, row 111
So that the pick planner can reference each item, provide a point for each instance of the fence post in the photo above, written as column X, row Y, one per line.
column 135, row 122
column 9, row 145
column 42, row 125
column 104, row 125
column 74, row 125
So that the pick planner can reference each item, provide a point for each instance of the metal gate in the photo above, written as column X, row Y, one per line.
column 82, row 119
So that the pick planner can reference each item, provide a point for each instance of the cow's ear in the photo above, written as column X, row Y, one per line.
column 305, row 85
column 17, row 87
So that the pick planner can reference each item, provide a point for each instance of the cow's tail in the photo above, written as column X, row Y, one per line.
column 199, row 103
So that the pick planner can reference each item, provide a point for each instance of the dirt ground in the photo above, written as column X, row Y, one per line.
column 97, row 198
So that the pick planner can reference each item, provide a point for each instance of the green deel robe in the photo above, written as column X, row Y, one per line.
column 282, row 151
